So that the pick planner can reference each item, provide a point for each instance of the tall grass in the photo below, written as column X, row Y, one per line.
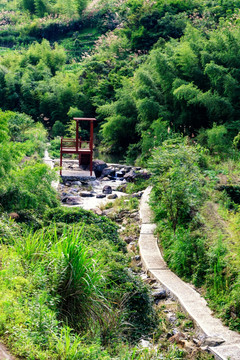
column 79, row 282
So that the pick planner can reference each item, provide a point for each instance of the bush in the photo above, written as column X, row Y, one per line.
column 79, row 215
column 58, row 129
column 177, row 180
column 216, row 139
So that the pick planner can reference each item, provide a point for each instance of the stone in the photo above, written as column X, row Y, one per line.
column 97, row 211
column 14, row 216
column 178, row 338
column 107, row 189
column 73, row 200
column 188, row 345
column 159, row 294
column 171, row 317
column 213, row 341
column 65, row 197
column 137, row 195
column 98, row 166
column 143, row 175
column 120, row 174
column 108, row 172
column 144, row 343
column 196, row 341
column 100, row 196
column 130, row 176
column 76, row 183
column 143, row 276
column 122, row 188
column 131, row 247
column 112, row 196
column 137, row 257
column 134, row 214
column 86, row 194
column 128, row 239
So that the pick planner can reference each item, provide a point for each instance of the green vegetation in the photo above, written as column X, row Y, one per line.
column 162, row 78
column 196, row 203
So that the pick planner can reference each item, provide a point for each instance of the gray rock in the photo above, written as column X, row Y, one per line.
column 107, row 189
column 86, row 194
column 108, row 172
column 137, row 195
column 171, row 317
column 130, row 176
column 97, row 211
column 134, row 214
column 100, row 196
column 73, row 200
column 137, row 257
column 159, row 294
column 213, row 341
column 120, row 174
column 76, row 183
column 112, row 196
column 128, row 239
column 98, row 166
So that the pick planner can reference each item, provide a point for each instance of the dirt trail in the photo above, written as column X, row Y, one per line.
column 4, row 354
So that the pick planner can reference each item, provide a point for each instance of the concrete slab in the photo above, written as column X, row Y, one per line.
column 148, row 228
column 226, row 352
column 145, row 212
column 191, row 301
column 150, row 253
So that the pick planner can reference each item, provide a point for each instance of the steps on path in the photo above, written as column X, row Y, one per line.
column 190, row 299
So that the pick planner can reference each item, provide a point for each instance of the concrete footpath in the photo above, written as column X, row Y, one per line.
column 190, row 300
column 4, row 354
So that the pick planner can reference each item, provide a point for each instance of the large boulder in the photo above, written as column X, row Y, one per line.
column 98, row 166
column 72, row 200
column 107, row 171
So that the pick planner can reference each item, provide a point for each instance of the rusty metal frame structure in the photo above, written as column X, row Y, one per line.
column 77, row 145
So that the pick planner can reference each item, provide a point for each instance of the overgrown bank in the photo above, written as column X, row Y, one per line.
column 196, row 209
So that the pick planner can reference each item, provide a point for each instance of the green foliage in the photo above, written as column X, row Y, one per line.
column 79, row 282
column 58, row 129
column 76, row 215
column 54, row 149
column 216, row 138
column 81, row 5
column 29, row 188
column 154, row 137
column 177, row 180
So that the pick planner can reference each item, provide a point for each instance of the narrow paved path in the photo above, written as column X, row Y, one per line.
column 4, row 354
column 190, row 300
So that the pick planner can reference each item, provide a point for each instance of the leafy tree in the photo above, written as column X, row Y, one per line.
column 81, row 5
column 58, row 129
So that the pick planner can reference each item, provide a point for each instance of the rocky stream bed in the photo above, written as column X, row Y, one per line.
column 98, row 195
